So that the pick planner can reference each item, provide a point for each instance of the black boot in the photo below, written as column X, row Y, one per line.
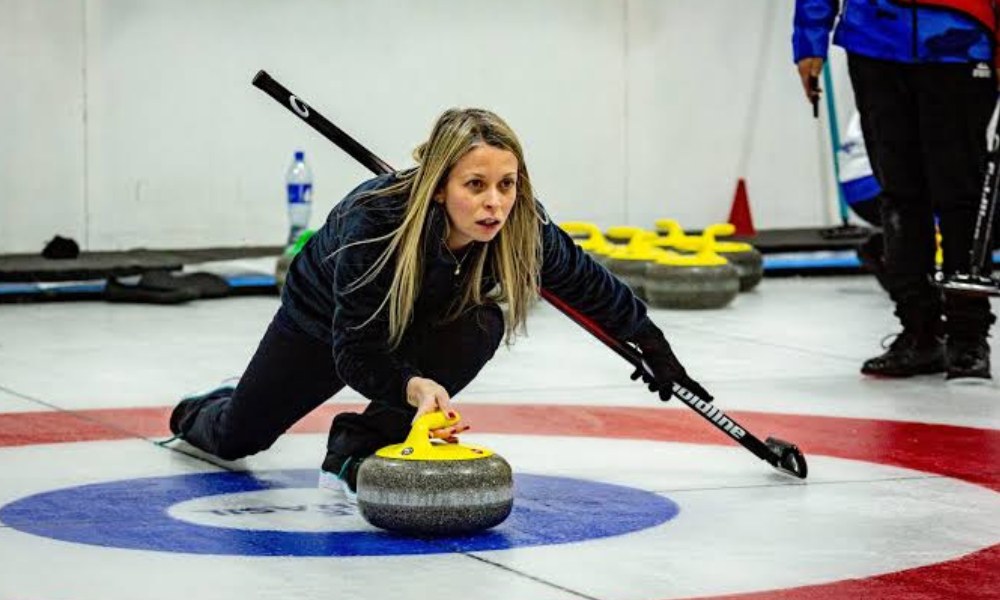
column 968, row 323
column 187, row 408
column 918, row 350
column 968, row 359
column 909, row 354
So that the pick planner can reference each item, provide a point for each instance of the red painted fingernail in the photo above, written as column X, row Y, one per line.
column 451, row 415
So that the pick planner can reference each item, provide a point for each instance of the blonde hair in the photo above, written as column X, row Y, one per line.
column 515, row 254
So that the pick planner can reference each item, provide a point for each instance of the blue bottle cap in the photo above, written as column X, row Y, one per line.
column 300, row 156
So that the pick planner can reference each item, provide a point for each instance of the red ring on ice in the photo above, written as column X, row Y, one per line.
column 965, row 453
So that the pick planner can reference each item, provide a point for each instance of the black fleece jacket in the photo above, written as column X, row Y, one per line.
column 317, row 297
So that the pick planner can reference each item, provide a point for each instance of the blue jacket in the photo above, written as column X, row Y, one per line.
column 315, row 293
column 899, row 30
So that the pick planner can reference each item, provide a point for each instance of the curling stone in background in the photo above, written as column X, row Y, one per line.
column 749, row 262
column 589, row 237
column 286, row 258
column 629, row 263
column 691, row 281
column 432, row 488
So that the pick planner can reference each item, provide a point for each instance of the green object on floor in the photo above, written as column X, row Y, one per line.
column 285, row 260
column 300, row 243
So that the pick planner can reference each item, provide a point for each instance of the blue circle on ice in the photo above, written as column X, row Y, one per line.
column 137, row 514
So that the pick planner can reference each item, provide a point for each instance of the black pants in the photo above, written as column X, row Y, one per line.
column 292, row 373
column 925, row 131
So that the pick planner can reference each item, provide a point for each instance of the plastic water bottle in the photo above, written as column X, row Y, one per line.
column 299, row 183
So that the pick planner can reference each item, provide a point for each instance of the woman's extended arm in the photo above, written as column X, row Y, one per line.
column 578, row 280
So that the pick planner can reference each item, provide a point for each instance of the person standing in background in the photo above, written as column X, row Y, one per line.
column 925, row 83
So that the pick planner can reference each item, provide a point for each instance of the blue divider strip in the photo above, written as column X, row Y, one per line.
column 97, row 286
column 809, row 260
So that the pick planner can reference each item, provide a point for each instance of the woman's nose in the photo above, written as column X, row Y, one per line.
column 493, row 198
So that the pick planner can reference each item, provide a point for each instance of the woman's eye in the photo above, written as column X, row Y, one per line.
column 475, row 184
column 507, row 184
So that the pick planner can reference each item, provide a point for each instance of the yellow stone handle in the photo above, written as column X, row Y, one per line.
column 672, row 227
column 708, row 243
column 672, row 236
column 581, row 228
column 419, row 438
column 719, row 230
column 638, row 238
column 595, row 241
column 627, row 232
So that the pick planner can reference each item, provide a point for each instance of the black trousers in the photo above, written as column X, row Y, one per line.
column 925, row 131
column 292, row 373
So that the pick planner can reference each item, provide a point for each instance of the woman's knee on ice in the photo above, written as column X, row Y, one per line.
column 237, row 447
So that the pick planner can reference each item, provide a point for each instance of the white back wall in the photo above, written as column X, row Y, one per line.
column 130, row 124
column 42, row 170
column 714, row 96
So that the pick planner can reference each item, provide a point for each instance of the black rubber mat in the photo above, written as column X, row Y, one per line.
column 773, row 241
column 102, row 265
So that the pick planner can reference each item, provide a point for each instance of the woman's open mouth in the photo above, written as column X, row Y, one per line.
column 489, row 224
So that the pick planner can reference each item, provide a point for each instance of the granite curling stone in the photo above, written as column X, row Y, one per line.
column 629, row 263
column 691, row 281
column 748, row 261
column 432, row 488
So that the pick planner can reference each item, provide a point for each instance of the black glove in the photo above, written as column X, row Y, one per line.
column 665, row 366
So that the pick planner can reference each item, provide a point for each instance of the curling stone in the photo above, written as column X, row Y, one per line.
column 629, row 263
column 702, row 280
column 432, row 488
column 747, row 260
column 589, row 237
column 286, row 258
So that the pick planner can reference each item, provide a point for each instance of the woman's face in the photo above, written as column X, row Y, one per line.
column 479, row 194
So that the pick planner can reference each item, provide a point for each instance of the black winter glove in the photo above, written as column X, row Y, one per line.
column 665, row 366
